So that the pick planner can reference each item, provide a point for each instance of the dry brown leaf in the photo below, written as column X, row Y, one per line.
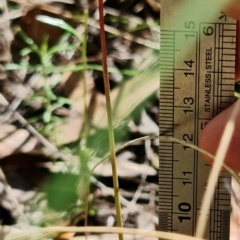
column 69, row 132
column 15, row 140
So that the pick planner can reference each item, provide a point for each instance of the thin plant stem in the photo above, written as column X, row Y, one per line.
column 39, row 233
column 169, row 139
column 84, row 131
column 110, row 120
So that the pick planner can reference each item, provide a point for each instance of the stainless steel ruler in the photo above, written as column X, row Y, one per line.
column 197, row 66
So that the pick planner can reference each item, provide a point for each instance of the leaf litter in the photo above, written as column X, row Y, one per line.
column 42, row 74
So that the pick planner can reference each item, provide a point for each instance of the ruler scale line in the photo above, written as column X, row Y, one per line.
column 197, row 64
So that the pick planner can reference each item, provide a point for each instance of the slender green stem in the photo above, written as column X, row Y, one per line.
column 85, row 122
column 110, row 120
column 84, row 130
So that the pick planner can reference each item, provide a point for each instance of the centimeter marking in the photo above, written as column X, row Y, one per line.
column 197, row 67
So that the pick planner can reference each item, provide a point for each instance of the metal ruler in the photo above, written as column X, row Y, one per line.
column 197, row 68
